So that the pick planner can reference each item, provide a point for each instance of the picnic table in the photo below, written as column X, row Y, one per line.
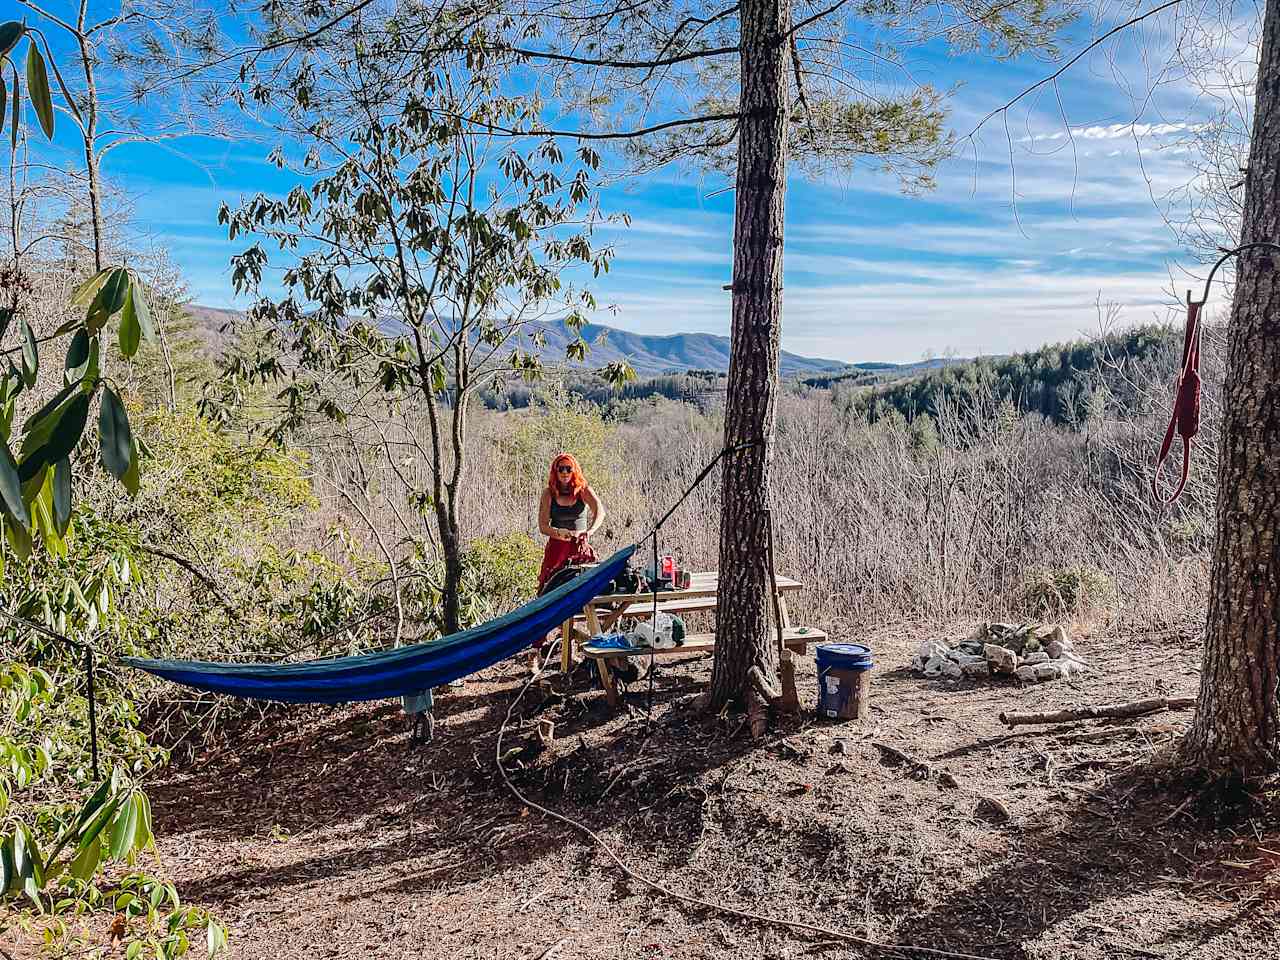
column 602, row 613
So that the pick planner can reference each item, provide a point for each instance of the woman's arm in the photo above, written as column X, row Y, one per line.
column 544, row 518
column 597, row 510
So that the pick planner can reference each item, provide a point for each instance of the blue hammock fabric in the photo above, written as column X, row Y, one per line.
column 400, row 672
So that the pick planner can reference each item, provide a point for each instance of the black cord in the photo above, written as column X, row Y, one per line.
column 93, row 712
column 725, row 451
column 1228, row 254
column 702, row 476
column 88, row 669
column 654, row 584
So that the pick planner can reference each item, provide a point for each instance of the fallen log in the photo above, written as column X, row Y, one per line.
column 1110, row 711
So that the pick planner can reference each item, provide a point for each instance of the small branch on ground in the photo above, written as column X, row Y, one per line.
column 1111, row 733
column 1133, row 708
column 550, row 951
column 1181, row 807
column 918, row 766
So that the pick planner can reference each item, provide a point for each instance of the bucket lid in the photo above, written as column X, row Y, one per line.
column 844, row 650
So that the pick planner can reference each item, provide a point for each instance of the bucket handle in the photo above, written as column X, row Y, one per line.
column 823, row 671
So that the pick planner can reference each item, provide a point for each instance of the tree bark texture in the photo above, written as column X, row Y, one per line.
column 1236, row 729
column 444, row 498
column 744, row 638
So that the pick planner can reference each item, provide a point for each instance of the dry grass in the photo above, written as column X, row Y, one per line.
column 884, row 524
column 1002, row 517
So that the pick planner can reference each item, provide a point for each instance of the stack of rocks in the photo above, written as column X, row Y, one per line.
column 1030, row 652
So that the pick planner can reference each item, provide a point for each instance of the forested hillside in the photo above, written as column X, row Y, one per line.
column 1068, row 383
column 860, row 374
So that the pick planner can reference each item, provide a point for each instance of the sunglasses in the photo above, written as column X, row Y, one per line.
column 564, row 469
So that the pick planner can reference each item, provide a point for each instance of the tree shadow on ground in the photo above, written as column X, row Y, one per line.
column 439, row 815
column 1150, row 836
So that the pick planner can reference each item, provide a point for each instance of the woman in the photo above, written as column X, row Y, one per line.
column 562, row 515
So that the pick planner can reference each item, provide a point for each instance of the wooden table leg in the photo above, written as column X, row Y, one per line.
column 614, row 617
column 608, row 682
column 593, row 622
column 786, row 665
column 566, row 645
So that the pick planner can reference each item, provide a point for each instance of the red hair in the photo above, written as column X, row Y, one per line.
column 577, row 481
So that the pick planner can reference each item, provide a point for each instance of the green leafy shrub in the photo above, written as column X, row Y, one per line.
column 53, row 849
column 1073, row 590
column 499, row 574
column 82, row 595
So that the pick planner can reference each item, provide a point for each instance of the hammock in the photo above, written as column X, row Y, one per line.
column 400, row 672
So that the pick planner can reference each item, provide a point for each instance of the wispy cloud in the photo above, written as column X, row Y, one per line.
column 648, row 226
column 1114, row 131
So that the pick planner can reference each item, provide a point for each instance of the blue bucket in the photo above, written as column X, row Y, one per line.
column 843, row 680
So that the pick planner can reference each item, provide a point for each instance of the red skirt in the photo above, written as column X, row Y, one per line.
column 563, row 553
column 555, row 556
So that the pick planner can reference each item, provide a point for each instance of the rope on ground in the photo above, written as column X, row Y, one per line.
column 684, row 897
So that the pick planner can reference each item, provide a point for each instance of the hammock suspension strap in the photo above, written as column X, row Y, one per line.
column 1184, row 420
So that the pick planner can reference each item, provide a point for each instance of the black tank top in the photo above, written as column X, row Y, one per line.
column 569, row 518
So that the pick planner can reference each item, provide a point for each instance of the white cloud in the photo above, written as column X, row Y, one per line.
column 1114, row 131
column 661, row 228
column 904, row 311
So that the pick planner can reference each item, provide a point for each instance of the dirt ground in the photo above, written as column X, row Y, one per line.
column 322, row 834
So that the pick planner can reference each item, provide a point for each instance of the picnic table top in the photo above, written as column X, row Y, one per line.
column 704, row 584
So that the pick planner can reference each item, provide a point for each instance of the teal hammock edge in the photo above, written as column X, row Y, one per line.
column 399, row 672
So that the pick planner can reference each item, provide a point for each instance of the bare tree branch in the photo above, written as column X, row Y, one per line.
column 1067, row 66
column 804, row 100
column 616, row 135
column 814, row 18
column 618, row 64
column 192, row 569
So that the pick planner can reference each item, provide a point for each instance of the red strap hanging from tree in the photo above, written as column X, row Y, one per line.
column 1185, row 419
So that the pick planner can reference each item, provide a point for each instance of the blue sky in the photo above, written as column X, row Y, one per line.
column 871, row 274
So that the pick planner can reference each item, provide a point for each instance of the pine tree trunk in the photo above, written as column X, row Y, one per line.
column 1236, row 729
column 742, row 610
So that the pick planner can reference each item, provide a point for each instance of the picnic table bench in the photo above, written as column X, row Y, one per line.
column 601, row 614
column 796, row 639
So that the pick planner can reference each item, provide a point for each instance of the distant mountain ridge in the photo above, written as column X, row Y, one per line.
column 649, row 354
